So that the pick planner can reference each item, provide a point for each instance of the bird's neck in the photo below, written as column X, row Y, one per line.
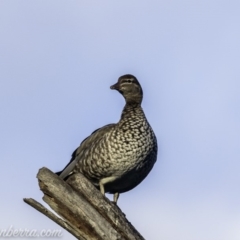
column 132, row 111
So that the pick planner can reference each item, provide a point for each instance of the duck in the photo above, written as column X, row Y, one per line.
column 118, row 157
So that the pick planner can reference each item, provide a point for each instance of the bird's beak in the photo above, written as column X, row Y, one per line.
column 115, row 86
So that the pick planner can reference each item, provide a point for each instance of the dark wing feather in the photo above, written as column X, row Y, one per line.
column 87, row 142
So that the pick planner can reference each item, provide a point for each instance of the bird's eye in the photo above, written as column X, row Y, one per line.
column 129, row 81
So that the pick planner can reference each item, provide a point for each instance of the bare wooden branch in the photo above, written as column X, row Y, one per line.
column 86, row 212
column 38, row 206
column 104, row 206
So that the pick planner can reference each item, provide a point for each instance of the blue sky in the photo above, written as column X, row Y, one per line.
column 58, row 60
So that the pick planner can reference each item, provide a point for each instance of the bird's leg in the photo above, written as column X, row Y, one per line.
column 104, row 181
column 102, row 190
column 115, row 197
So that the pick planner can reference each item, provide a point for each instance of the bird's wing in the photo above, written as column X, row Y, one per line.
column 86, row 143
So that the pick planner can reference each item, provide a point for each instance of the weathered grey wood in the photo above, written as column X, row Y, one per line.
column 74, row 207
column 104, row 206
column 53, row 217
column 86, row 212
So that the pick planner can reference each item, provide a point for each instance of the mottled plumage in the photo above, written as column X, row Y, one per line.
column 117, row 157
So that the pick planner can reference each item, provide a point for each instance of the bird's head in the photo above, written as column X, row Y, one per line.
column 130, row 88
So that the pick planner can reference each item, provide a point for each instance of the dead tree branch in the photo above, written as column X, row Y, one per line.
column 85, row 212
